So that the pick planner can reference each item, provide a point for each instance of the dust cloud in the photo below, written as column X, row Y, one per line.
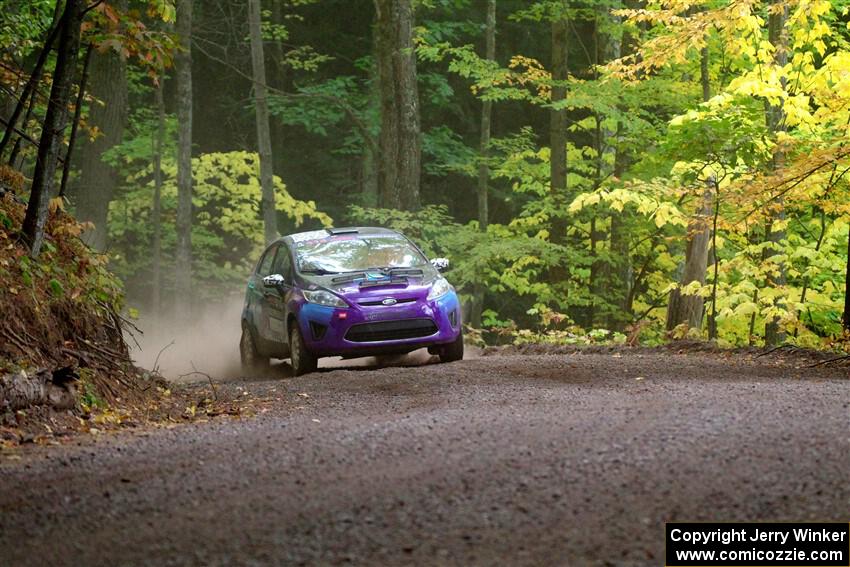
column 210, row 344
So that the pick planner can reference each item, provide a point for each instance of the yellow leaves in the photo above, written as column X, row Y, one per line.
column 695, row 288
column 766, row 84
column 56, row 204
column 71, row 229
column 779, row 224
column 746, row 309
column 798, row 111
column 232, row 180
column 109, row 416
column 640, row 197
column 765, row 52
column 584, row 200
column 528, row 71
column 667, row 213
column 681, row 119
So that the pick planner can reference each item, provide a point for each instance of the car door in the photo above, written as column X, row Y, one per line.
column 257, row 294
column 276, row 298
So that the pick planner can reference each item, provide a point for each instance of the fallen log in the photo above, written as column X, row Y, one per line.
column 56, row 389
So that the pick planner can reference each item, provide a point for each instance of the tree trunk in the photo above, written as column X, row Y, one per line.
column 558, row 124
column 688, row 309
column 55, row 121
column 264, row 140
column 606, row 47
column 75, row 123
column 400, row 140
column 156, row 244
column 369, row 161
column 620, row 250
column 98, row 180
column 183, row 72
column 775, row 117
column 846, row 316
column 477, row 304
column 620, row 235
column 277, row 82
column 486, row 115
column 55, row 389
column 35, row 76
column 14, row 162
column 712, row 318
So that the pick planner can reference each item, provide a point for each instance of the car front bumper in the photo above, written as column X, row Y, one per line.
column 364, row 331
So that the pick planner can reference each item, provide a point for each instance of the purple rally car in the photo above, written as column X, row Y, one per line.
column 347, row 292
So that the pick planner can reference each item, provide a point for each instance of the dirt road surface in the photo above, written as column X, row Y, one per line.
column 509, row 460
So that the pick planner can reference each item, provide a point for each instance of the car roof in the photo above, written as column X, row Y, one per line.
column 339, row 231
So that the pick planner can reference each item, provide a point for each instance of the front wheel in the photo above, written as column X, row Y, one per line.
column 303, row 361
column 252, row 361
column 454, row 351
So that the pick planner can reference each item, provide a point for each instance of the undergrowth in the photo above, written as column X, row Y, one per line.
column 61, row 309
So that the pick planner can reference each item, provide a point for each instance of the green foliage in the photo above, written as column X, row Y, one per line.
column 319, row 106
column 23, row 25
column 448, row 153
column 89, row 399
column 227, row 235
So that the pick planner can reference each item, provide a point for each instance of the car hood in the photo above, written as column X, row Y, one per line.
column 368, row 286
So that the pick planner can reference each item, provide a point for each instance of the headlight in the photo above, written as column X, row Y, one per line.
column 440, row 288
column 322, row 297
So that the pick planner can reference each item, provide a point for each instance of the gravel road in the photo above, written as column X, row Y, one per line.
column 526, row 460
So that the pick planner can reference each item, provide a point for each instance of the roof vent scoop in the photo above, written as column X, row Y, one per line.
column 336, row 231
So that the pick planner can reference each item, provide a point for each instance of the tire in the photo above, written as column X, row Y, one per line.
column 253, row 362
column 453, row 352
column 302, row 360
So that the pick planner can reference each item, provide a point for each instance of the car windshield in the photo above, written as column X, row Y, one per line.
column 351, row 253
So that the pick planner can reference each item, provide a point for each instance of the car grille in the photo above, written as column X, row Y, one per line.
column 391, row 330
column 381, row 302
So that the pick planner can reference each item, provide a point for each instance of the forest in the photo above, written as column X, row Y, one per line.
column 631, row 171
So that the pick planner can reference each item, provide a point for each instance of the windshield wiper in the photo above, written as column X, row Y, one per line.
column 396, row 270
column 318, row 271
column 348, row 277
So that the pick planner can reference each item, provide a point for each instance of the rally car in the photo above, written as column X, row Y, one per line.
column 350, row 292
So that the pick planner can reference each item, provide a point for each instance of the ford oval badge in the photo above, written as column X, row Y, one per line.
column 389, row 301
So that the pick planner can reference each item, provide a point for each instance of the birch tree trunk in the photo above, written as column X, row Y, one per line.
column 264, row 141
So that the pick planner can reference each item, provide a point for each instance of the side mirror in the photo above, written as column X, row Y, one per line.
column 274, row 280
column 442, row 264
